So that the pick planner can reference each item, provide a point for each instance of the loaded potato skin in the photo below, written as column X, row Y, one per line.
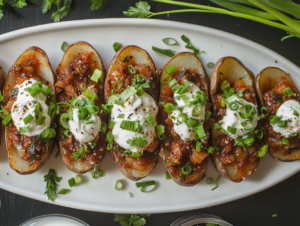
column 280, row 97
column 133, row 74
column 80, row 94
column 28, row 111
column 236, row 133
column 183, row 149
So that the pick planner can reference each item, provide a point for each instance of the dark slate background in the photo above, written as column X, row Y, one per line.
column 282, row 199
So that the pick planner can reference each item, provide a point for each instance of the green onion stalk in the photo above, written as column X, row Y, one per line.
column 266, row 12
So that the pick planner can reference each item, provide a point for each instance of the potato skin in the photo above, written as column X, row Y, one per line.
column 193, row 58
column 1, row 86
column 86, row 47
column 214, row 89
column 272, row 73
column 11, row 160
column 124, row 51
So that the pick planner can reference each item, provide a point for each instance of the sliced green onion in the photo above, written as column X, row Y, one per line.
column 262, row 151
column 287, row 92
column 168, row 176
column 274, row 119
column 282, row 123
column 96, row 75
column 107, row 108
column 264, row 109
column 100, row 173
column 198, row 146
column 64, row 46
column 63, row 191
column 231, row 130
column 186, row 170
column 46, row 90
column 78, row 179
column 121, row 116
column 240, row 94
column 110, row 139
column 200, row 131
column 295, row 112
column 209, row 180
column 28, row 119
column 66, row 133
column 171, row 69
column 274, row 215
column 196, row 111
column 234, row 105
column 207, row 115
column 145, row 184
column 133, row 126
column 35, row 88
column 103, row 126
column 165, row 80
column 117, row 46
column 160, row 131
column 150, row 119
column 119, row 86
column 249, row 142
column 63, row 120
column 217, row 180
column 169, row 107
column 167, row 52
column 210, row 64
column 215, row 126
column 210, row 150
column 172, row 83
column 223, row 102
column 247, row 124
column 24, row 130
column 130, row 194
column 131, row 69
column 259, row 133
column 71, row 182
column 191, row 122
column 135, row 155
column 119, row 185
column 170, row 43
column 111, row 124
column 93, row 172
column 285, row 141
column 137, row 142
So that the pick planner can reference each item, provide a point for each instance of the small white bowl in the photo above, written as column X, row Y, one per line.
column 54, row 220
column 200, row 218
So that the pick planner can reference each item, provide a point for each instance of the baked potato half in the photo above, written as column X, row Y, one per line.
column 28, row 113
column 131, row 94
column 80, row 94
column 185, row 111
column 280, row 96
column 236, row 134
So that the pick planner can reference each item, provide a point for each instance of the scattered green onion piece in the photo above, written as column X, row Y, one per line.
column 168, row 176
column 103, row 126
column 96, row 75
column 117, row 46
column 119, row 86
column 145, row 184
column 24, row 130
column 186, row 170
column 274, row 119
column 160, row 131
column 198, row 146
column 167, row 41
column 133, row 126
column 207, row 115
column 210, row 150
column 210, row 64
column 217, row 180
column 107, row 108
column 64, row 46
column 121, row 116
column 196, row 111
column 262, row 151
column 71, row 182
column 282, row 123
column 100, row 173
column 63, row 191
column 173, row 82
column 264, row 109
column 28, row 119
column 111, row 124
column 215, row 126
column 150, row 119
column 130, row 194
column 131, row 69
column 209, row 180
column 135, row 155
column 231, row 130
column 223, row 102
column 274, row 215
column 89, row 94
column 93, row 172
column 295, row 112
column 247, row 124
column 287, row 92
column 78, row 179
column 46, row 90
column 165, row 80
column 171, row 69
column 285, row 141
column 63, row 120
column 169, row 107
column 119, row 185
column 200, row 131
column 167, row 52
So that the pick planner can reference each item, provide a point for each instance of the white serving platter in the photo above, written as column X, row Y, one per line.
column 99, row 194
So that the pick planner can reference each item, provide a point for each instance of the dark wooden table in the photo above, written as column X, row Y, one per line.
column 282, row 199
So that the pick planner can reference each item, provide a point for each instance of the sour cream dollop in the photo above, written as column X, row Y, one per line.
column 25, row 105
column 84, row 132
column 134, row 109
column 286, row 112
column 181, row 128
column 232, row 118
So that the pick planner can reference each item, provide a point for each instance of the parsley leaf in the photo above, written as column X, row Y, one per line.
column 137, row 142
column 142, row 10
column 190, row 46
column 96, row 4
column 63, row 11
column 51, row 180
column 131, row 220
column 20, row 4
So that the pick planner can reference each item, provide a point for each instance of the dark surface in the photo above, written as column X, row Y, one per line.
column 282, row 199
